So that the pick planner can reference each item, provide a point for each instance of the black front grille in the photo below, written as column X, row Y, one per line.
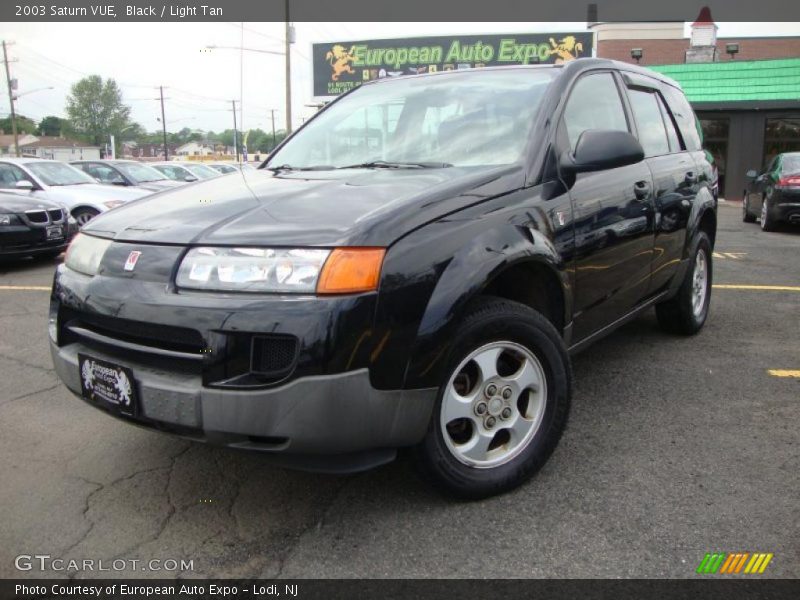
column 55, row 214
column 166, row 337
column 273, row 355
column 37, row 216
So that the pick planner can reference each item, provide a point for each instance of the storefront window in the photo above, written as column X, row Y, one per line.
column 715, row 141
column 780, row 135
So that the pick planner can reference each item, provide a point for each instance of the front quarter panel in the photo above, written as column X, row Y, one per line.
column 430, row 277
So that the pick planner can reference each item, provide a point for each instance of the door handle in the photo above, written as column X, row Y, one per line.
column 641, row 189
column 691, row 177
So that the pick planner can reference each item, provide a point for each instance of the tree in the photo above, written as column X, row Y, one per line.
column 53, row 126
column 24, row 125
column 95, row 109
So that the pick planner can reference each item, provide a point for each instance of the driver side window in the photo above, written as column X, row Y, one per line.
column 594, row 103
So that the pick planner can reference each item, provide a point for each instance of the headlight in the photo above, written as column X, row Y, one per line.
column 85, row 253
column 299, row 270
column 252, row 269
column 8, row 219
column 113, row 203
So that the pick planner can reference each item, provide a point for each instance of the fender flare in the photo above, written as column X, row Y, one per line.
column 471, row 269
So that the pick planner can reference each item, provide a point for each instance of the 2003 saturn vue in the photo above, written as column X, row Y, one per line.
column 411, row 269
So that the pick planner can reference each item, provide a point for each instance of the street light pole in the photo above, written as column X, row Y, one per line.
column 274, row 139
column 288, row 72
column 164, row 123
column 11, row 101
column 235, row 135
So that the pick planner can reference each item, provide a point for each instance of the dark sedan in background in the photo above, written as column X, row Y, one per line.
column 126, row 172
column 774, row 195
column 33, row 227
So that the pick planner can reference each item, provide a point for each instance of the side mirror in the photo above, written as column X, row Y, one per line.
column 190, row 178
column 751, row 174
column 601, row 149
column 24, row 184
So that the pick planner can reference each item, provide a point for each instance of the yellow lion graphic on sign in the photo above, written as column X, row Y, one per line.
column 340, row 60
column 567, row 49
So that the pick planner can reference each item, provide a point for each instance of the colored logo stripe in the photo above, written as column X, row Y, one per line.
column 730, row 563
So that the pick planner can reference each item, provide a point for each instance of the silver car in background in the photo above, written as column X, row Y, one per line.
column 58, row 182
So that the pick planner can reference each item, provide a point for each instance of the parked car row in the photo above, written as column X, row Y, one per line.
column 44, row 202
column 774, row 195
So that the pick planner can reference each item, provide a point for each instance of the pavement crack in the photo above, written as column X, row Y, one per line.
column 29, row 394
column 316, row 526
column 27, row 365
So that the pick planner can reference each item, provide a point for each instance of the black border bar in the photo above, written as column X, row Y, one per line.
column 396, row 10
column 702, row 587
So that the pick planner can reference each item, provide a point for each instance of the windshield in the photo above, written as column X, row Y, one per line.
column 791, row 163
column 224, row 168
column 175, row 172
column 139, row 173
column 57, row 173
column 478, row 117
column 202, row 171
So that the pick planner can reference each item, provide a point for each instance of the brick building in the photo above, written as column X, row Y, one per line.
column 745, row 90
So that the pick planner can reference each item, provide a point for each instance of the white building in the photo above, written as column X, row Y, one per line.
column 45, row 146
column 194, row 149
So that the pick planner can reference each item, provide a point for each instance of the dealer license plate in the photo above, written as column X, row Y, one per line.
column 55, row 232
column 107, row 383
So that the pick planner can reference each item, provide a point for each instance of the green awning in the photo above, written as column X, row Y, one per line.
column 737, row 80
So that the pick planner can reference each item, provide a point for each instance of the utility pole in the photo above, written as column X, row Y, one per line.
column 274, row 139
column 164, row 123
column 288, row 72
column 235, row 137
column 241, row 79
column 11, row 100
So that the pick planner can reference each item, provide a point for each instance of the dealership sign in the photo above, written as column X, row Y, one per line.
column 341, row 66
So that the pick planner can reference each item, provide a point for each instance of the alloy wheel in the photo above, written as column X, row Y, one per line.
column 493, row 404
column 699, row 283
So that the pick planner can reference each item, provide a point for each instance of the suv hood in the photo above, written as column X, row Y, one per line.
column 357, row 207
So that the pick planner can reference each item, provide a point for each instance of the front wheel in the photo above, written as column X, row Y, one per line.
column 504, row 405
column 767, row 221
column 687, row 311
column 84, row 215
column 747, row 216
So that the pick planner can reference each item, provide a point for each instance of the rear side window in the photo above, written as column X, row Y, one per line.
column 594, row 103
column 672, row 133
column 684, row 116
column 649, row 123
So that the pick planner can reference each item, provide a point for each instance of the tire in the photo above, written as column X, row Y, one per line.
column 767, row 221
column 531, row 358
column 684, row 314
column 747, row 216
column 84, row 215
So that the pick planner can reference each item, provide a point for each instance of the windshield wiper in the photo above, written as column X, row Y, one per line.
column 386, row 164
column 291, row 168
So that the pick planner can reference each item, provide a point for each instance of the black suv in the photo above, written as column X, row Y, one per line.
column 411, row 268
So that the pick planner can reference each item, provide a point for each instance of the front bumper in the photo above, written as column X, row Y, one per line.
column 334, row 422
column 20, row 240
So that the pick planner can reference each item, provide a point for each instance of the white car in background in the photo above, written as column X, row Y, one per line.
column 59, row 182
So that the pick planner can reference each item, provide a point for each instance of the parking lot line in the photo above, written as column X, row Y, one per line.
column 28, row 288
column 784, row 372
column 768, row 288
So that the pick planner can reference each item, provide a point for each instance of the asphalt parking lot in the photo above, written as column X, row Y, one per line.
column 676, row 447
